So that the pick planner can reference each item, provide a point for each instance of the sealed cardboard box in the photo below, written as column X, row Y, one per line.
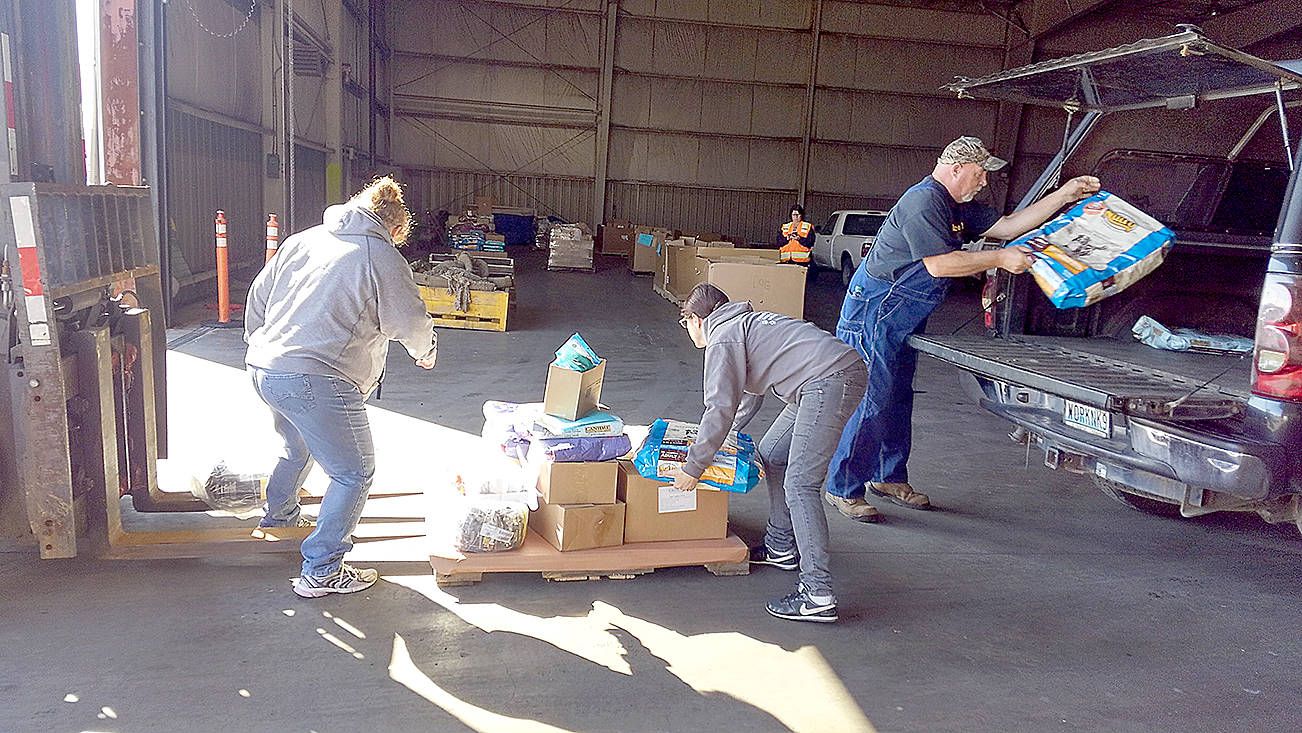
column 617, row 238
column 579, row 526
column 656, row 511
column 571, row 395
column 589, row 482
column 768, row 287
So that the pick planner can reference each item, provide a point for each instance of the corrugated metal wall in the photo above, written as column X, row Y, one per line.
column 432, row 190
column 708, row 101
column 212, row 166
column 309, row 186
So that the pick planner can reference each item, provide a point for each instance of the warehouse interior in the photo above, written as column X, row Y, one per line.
column 1026, row 600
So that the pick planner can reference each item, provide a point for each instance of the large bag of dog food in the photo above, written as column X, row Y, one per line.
column 736, row 466
column 1098, row 248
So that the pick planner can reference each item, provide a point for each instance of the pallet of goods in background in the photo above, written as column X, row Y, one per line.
column 570, row 247
column 597, row 518
column 486, row 310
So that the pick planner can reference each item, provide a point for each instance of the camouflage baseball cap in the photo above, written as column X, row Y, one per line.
column 968, row 149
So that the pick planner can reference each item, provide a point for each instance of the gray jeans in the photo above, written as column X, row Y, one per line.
column 796, row 451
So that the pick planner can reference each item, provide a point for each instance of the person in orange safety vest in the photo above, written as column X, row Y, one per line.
column 799, row 236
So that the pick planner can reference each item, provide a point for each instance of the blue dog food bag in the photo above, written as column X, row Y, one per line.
column 1101, row 246
column 736, row 466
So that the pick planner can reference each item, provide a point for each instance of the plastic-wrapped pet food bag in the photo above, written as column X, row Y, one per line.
column 736, row 466
column 1098, row 248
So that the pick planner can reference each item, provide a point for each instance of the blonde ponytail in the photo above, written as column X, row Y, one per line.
column 384, row 197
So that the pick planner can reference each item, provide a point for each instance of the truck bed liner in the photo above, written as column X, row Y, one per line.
column 1105, row 373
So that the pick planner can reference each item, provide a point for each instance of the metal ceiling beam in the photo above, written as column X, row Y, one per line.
column 1254, row 23
column 412, row 105
column 1046, row 16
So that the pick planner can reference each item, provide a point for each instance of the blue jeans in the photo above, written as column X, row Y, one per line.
column 877, row 318
column 795, row 452
column 323, row 418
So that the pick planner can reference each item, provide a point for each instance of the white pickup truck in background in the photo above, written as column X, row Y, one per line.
column 842, row 242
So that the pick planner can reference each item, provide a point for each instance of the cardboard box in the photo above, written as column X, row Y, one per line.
column 680, row 270
column 768, row 287
column 644, row 520
column 579, row 526
column 664, row 261
column 617, row 238
column 688, row 266
column 570, row 394
column 647, row 243
column 589, row 482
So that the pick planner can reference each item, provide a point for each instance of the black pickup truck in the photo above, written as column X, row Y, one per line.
column 1162, row 431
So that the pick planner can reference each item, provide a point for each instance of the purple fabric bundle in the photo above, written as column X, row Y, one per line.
column 574, row 450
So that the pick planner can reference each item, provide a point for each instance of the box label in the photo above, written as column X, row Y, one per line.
column 676, row 500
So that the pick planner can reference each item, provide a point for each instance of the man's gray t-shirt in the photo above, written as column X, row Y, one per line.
column 925, row 221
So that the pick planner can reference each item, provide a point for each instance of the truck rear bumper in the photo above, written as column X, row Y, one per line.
column 1189, row 459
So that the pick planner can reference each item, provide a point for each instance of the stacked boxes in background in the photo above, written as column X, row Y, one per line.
column 570, row 247
column 647, row 243
column 744, row 274
column 617, row 238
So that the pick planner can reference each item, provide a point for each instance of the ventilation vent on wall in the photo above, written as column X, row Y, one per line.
column 309, row 60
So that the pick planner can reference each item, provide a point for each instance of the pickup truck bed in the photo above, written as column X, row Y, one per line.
column 1106, row 373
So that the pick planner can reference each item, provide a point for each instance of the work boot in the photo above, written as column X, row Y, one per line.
column 856, row 509
column 901, row 494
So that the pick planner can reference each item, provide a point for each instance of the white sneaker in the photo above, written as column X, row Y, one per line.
column 347, row 580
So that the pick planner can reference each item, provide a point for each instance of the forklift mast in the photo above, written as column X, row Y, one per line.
column 84, row 403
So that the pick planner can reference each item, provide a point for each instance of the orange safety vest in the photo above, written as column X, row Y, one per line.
column 793, row 251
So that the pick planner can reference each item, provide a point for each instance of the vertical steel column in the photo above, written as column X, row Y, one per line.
column 153, row 137
column 810, row 88
column 603, row 112
column 120, row 91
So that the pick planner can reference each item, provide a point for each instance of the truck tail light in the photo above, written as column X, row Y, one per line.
column 866, row 246
column 1277, row 357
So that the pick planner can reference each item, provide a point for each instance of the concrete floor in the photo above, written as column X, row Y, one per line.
column 1027, row 601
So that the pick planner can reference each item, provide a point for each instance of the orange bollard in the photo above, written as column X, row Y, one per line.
column 273, row 237
column 223, row 272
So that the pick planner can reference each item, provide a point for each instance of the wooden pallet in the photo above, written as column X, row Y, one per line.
column 727, row 556
column 666, row 294
column 487, row 310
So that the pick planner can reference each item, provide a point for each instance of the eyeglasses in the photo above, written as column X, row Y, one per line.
column 683, row 321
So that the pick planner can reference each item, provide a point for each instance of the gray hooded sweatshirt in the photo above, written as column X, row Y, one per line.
column 332, row 298
column 749, row 353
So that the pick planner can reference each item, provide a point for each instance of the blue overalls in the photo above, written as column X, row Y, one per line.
column 877, row 318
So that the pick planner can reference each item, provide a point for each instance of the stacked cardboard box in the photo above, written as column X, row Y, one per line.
column 655, row 511
column 578, row 509
column 570, row 247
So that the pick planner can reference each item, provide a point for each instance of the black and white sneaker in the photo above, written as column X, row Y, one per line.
column 762, row 555
column 799, row 607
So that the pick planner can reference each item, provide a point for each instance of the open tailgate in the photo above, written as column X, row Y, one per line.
column 1051, row 365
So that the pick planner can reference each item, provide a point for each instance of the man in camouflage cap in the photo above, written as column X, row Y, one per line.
column 896, row 287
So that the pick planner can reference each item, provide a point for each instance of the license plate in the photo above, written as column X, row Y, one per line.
column 1090, row 419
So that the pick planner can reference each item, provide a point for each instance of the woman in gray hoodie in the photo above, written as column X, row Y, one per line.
column 821, row 380
column 318, row 321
